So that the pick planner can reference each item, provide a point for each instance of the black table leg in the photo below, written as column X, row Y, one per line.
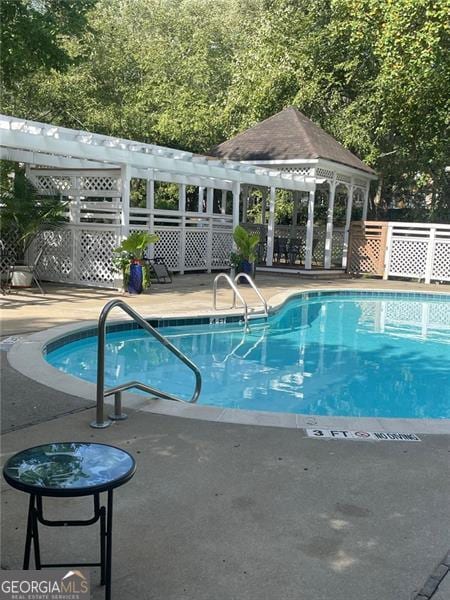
column 32, row 535
column 26, row 556
column 109, row 516
column 102, row 544
column 34, row 522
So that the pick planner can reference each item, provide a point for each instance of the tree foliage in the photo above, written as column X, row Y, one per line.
column 191, row 73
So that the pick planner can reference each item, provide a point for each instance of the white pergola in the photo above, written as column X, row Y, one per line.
column 67, row 161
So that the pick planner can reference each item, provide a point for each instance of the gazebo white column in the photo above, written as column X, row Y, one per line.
column 348, row 219
column 236, row 189
column 125, row 178
column 309, row 231
column 329, row 229
column 182, row 209
column 295, row 203
column 150, row 204
column 271, row 228
column 366, row 202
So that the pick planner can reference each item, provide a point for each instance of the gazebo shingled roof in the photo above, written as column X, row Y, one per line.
column 287, row 135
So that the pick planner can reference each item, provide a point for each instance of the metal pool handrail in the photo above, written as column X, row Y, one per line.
column 100, row 421
column 236, row 293
column 253, row 286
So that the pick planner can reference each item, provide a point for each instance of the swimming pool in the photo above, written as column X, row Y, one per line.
column 359, row 354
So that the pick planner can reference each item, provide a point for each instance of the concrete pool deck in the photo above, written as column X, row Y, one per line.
column 228, row 511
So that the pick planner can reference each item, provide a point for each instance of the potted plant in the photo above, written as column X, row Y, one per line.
column 23, row 215
column 130, row 260
column 245, row 256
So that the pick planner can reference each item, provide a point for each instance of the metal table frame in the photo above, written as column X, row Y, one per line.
column 104, row 514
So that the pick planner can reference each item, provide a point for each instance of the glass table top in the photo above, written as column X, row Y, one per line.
column 69, row 468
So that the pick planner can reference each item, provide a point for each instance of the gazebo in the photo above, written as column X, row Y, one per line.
column 290, row 142
column 95, row 174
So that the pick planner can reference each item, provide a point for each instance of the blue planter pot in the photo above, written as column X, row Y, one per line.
column 135, row 282
column 248, row 268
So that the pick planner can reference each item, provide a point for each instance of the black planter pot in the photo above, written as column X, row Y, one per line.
column 136, row 277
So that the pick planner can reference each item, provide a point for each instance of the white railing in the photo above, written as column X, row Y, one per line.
column 418, row 250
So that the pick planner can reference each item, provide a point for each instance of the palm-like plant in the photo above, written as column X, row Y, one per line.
column 136, row 244
column 246, row 243
column 24, row 214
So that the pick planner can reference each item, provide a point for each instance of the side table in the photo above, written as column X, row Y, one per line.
column 66, row 470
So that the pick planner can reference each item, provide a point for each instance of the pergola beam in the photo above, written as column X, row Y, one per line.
column 40, row 137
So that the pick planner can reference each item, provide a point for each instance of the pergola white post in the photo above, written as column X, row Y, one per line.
column 263, row 206
column 236, row 194
column 150, row 204
column 209, row 200
column 201, row 194
column 271, row 228
column 182, row 209
column 244, row 203
column 223, row 202
column 309, row 231
column 125, row 179
column 329, row 229
column 209, row 212
column 366, row 202
column 348, row 219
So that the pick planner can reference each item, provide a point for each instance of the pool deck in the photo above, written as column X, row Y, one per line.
column 231, row 511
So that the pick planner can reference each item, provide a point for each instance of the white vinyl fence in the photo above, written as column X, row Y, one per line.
column 395, row 249
column 418, row 250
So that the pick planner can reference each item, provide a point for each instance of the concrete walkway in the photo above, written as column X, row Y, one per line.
column 232, row 512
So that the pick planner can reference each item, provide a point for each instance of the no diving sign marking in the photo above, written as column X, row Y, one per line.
column 377, row 436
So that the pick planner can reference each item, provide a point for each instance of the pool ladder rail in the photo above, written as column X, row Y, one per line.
column 100, row 422
column 237, row 295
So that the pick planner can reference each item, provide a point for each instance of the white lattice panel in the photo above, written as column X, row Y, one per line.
column 8, row 250
column 99, row 183
column 408, row 258
column 52, row 184
column 298, row 171
column 95, row 256
column 222, row 245
column 441, row 261
column 169, row 247
column 337, row 246
column 196, row 249
column 327, row 173
column 319, row 244
column 56, row 263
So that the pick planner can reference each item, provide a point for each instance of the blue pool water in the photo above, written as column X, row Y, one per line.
column 332, row 354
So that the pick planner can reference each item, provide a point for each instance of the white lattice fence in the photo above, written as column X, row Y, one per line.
column 441, row 261
column 337, row 246
column 169, row 247
column 57, row 260
column 8, row 250
column 94, row 264
column 408, row 258
column 78, row 255
column 222, row 245
column 196, row 248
